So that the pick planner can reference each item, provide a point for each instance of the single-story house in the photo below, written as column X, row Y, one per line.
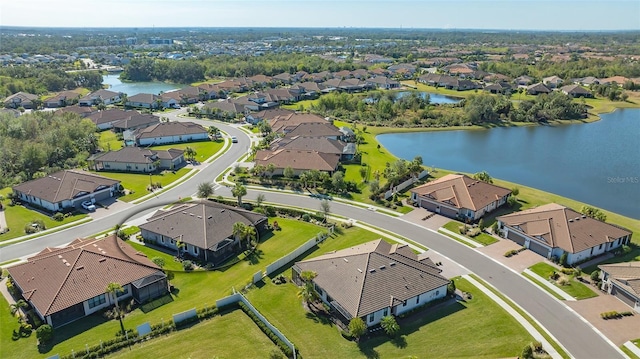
column 552, row 229
column 300, row 161
column 205, row 228
column 498, row 88
column 552, row 81
column 170, row 132
column 105, row 119
column 373, row 280
column 448, row 82
column 586, row 81
column 314, row 129
column 20, row 99
column 285, row 123
column 144, row 100
column 523, row 80
column 537, row 89
column 320, row 144
column 460, row 196
column 62, row 99
column 623, row 281
column 82, row 111
column 576, row 91
column 101, row 96
column 137, row 159
column 225, row 108
column 68, row 283
column 266, row 115
column 135, row 121
column 383, row 82
column 66, row 189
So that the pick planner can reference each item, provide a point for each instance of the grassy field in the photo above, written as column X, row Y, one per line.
column 138, row 182
column 242, row 337
column 18, row 217
column 574, row 288
column 108, row 141
column 204, row 149
column 478, row 328
column 194, row 289
column 304, row 104
column 482, row 238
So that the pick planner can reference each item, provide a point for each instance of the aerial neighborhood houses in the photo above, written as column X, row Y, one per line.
column 623, row 281
column 20, row 99
column 68, row 283
column 137, row 159
column 105, row 97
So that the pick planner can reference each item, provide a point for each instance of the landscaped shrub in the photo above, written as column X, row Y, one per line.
column 59, row 216
column 626, row 249
column 44, row 333
column 595, row 275
column 474, row 232
column 554, row 275
column 563, row 280
column 511, row 253
column 527, row 351
column 563, row 259
column 187, row 265
column 615, row 315
column 306, row 217
column 279, row 280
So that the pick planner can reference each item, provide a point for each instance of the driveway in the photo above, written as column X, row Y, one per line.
column 519, row 262
column 108, row 207
column 434, row 222
column 617, row 330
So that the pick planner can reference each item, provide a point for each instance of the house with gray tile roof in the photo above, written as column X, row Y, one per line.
column 137, row 159
column 373, row 280
column 205, row 228
column 68, row 283
column 170, row 132
column 65, row 189
column 20, row 99
column 622, row 280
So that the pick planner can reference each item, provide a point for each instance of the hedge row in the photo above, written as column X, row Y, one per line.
column 266, row 330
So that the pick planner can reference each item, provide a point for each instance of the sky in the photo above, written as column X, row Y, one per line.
column 575, row 15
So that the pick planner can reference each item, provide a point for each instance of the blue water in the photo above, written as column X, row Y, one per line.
column 433, row 97
column 134, row 88
column 596, row 163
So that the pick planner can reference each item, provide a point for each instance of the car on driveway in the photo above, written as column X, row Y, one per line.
column 89, row 206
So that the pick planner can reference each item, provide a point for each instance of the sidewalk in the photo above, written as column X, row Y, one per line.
column 527, row 326
column 552, row 287
column 634, row 349
column 3, row 221
column 461, row 237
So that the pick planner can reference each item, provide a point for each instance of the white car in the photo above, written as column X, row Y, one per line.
column 234, row 139
column 88, row 206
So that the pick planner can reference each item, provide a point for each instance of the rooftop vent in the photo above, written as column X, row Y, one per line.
column 346, row 260
column 199, row 217
column 191, row 214
column 184, row 212
column 67, row 264
column 382, row 267
column 210, row 217
column 102, row 260
column 59, row 256
column 584, row 216
column 222, row 211
column 359, row 270
column 392, row 264
column 571, row 220
column 577, row 218
column 372, row 270
column 80, row 267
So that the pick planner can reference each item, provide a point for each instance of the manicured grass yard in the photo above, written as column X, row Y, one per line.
column 19, row 216
column 478, row 328
column 195, row 290
column 482, row 238
column 574, row 288
column 204, row 149
column 138, row 182
column 231, row 335
column 108, row 141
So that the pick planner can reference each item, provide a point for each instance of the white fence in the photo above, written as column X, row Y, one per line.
column 295, row 254
column 405, row 184
column 180, row 317
column 238, row 297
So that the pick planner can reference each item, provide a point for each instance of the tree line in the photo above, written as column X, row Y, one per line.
column 147, row 69
column 39, row 143
column 40, row 80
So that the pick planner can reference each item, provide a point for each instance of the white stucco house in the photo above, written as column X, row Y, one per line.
column 170, row 132
column 622, row 280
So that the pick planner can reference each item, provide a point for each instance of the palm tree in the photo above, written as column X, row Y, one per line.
column 113, row 289
column 18, row 306
column 239, row 191
column 214, row 131
column 205, row 189
column 390, row 325
column 179, row 245
column 238, row 231
column 260, row 199
column 271, row 168
column 249, row 234
column 308, row 292
column 190, row 153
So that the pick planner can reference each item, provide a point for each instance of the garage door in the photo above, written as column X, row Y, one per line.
column 539, row 248
column 451, row 213
column 623, row 296
column 516, row 238
column 428, row 205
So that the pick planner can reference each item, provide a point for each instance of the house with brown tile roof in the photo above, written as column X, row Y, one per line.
column 205, row 228
column 383, row 82
column 267, row 115
column 82, row 111
column 320, row 144
column 144, row 100
column 285, row 123
column 170, row 132
column 552, row 229
column 105, row 119
column 62, row 99
column 135, row 120
column 69, row 283
column 137, row 159
column 373, row 280
column 315, row 130
column 20, row 99
column 460, row 196
column 537, row 89
column 300, row 161
column 101, row 96
column 66, row 189
column 226, row 108
column 622, row 280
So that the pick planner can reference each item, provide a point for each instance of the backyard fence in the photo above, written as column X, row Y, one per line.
column 238, row 297
column 181, row 317
column 405, row 184
column 295, row 254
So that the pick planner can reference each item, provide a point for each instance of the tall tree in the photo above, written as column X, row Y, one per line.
column 357, row 328
column 114, row 289
column 205, row 190
column 238, row 232
column 260, row 199
column 390, row 325
column 239, row 191
column 307, row 291
column 325, row 207
column 483, row 176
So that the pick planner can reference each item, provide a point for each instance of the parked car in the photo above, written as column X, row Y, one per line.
column 89, row 206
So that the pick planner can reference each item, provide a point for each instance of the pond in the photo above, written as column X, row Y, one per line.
column 596, row 163
column 433, row 97
column 134, row 88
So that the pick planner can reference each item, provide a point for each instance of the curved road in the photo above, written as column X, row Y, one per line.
column 577, row 336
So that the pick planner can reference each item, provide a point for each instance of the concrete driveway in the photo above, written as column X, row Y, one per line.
column 617, row 330
column 108, row 207
column 434, row 222
column 519, row 262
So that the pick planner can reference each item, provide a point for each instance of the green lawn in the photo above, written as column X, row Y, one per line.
column 108, row 141
column 478, row 328
column 231, row 335
column 542, row 286
column 19, row 216
column 482, row 238
column 138, row 182
column 204, row 149
column 195, row 289
column 305, row 104
column 574, row 288
column 169, row 262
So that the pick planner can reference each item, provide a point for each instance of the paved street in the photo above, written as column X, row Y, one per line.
column 577, row 336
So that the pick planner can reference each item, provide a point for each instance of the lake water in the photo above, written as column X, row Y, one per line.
column 134, row 88
column 433, row 97
column 596, row 163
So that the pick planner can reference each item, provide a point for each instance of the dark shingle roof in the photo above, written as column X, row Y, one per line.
column 170, row 129
column 64, row 185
